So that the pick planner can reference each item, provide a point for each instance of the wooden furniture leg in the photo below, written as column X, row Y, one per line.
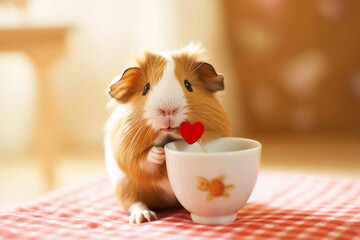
column 47, row 132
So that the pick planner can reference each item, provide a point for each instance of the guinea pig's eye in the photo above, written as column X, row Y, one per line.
column 146, row 89
column 188, row 85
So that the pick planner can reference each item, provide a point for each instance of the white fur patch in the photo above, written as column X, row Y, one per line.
column 122, row 111
column 193, row 49
column 140, row 213
column 114, row 172
column 168, row 94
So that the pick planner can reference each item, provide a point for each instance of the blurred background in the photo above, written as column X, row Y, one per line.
column 292, row 75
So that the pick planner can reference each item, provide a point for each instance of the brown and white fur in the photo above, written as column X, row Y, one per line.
column 141, row 125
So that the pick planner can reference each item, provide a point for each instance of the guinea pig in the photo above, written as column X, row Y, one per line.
column 151, row 100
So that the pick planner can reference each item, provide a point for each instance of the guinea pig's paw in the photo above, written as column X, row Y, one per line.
column 141, row 216
column 156, row 155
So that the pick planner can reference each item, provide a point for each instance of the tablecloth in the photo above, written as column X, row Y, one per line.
column 282, row 206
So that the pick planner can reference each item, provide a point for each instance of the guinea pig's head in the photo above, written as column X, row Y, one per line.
column 169, row 88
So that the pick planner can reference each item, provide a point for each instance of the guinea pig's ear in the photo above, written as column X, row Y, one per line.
column 121, row 87
column 207, row 74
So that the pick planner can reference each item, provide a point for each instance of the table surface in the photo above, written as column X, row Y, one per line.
column 282, row 206
column 25, row 38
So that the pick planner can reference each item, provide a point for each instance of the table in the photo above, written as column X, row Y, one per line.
column 284, row 205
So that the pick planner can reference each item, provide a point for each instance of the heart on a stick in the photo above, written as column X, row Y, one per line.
column 191, row 133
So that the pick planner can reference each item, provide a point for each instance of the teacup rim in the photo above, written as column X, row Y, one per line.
column 258, row 146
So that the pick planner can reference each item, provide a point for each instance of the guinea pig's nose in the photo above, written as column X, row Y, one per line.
column 168, row 111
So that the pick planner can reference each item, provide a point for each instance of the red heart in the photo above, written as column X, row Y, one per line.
column 191, row 133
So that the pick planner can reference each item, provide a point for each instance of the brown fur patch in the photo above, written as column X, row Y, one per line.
column 150, row 69
column 202, row 104
column 129, row 192
column 123, row 89
column 152, row 66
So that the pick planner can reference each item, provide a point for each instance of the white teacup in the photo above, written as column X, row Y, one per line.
column 213, row 186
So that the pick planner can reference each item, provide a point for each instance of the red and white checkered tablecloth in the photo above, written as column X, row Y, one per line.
column 282, row 206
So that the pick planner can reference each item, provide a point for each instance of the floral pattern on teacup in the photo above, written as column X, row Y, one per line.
column 215, row 187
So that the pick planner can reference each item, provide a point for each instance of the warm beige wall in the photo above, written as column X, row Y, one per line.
column 105, row 37
column 17, row 93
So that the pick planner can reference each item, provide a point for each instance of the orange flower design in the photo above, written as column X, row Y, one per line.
column 215, row 187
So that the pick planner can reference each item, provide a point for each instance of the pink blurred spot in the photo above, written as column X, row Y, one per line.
column 256, row 37
column 303, row 73
column 354, row 85
column 332, row 9
column 272, row 5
